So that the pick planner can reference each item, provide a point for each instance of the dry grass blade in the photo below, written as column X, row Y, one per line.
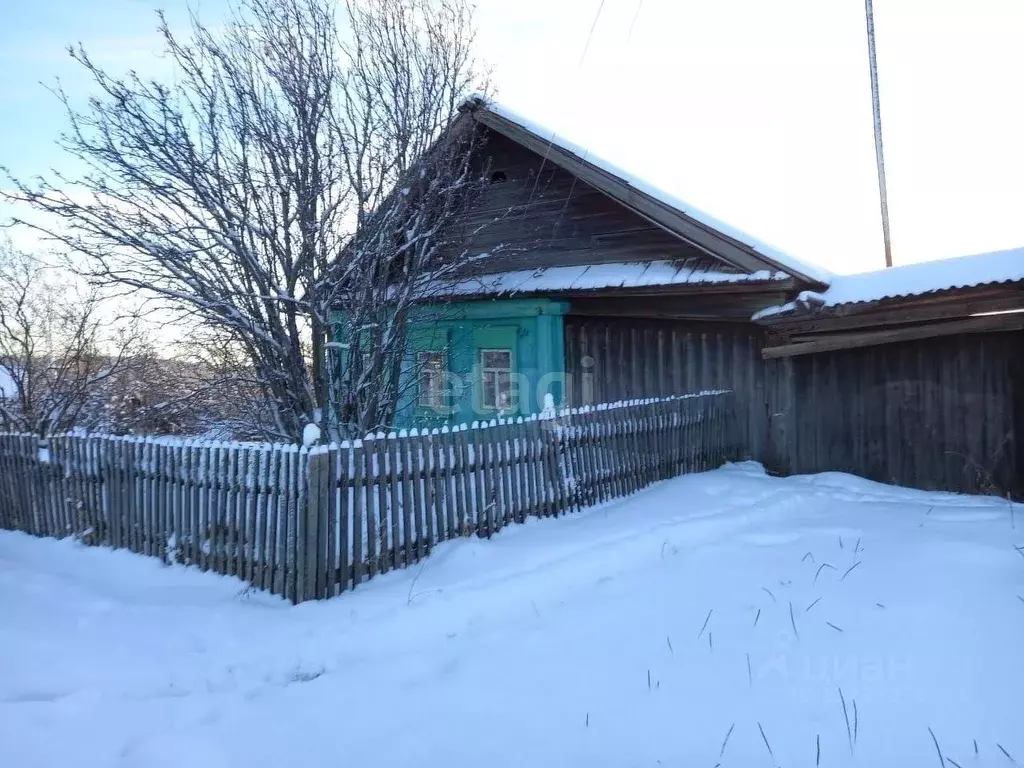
column 818, row 572
column 846, row 717
column 849, row 570
column 1008, row 755
column 750, row 674
column 757, row 617
column 770, row 594
column 806, row 556
column 766, row 741
column 837, row 629
column 669, row 641
column 942, row 760
column 856, row 721
column 817, row 750
column 726, row 741
column 705, row 626
column 792, row 620
column 953, row 762
column 812, row 605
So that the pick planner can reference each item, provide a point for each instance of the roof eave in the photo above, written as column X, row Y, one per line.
column 675, row 222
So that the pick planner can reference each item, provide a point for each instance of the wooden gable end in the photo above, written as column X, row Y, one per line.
column 535, row 214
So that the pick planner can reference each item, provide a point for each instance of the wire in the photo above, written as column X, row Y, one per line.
column 636, row 15
column 593, row 26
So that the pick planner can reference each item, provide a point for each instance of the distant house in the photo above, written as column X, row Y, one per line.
column 592, row 287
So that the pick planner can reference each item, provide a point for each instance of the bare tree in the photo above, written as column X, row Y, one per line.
column 295, row 166
column 58, row 348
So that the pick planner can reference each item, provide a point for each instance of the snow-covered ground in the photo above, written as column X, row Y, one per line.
column 694, row 624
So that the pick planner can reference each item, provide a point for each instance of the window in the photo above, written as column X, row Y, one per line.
column 431, row 367
column 496, row 382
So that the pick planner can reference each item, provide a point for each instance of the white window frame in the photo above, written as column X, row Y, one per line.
column 426, row 398
column 494, row 390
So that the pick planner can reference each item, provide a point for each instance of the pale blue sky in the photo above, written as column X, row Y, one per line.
column 758, row 112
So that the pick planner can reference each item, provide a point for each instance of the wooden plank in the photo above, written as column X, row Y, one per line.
column 480, row 481
column 268, row 564
column 237, row 561
column 448, row 454
column 463, row 490
column 300, row 517
column 358, row 515
column 343, row 489
column 416, row 460
column 395, row 488
column 316, row 474
column 325, row 566
column 406, row 449
column 160, row 491
column 289, row 502
column 429, row 496
column 993, row 323
column 507, row 459
column 491, row 490
column 264, row 505
column 383, row 526
column 370, row 522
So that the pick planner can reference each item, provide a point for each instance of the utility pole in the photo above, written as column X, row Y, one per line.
column 879, row 158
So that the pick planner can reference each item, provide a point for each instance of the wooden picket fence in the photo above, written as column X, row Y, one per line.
column 310, row 524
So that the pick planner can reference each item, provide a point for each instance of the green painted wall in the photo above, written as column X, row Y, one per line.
column 531, row 328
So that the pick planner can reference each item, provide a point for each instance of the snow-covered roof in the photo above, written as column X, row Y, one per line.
column 913, row 280
column 770, row 256
column 598, row 276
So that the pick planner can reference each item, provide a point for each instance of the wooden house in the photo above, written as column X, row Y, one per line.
column 591, row 286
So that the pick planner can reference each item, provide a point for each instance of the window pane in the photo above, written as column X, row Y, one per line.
column 487, row 391
column 504, row 395
column 431, row 377
column 497, row 358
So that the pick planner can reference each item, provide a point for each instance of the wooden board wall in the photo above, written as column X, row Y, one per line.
column 539, row 215
column 611, row 359
column 937, row 414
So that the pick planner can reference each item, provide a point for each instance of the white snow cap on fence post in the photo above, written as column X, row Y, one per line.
column 549, row 407
column 310, row 435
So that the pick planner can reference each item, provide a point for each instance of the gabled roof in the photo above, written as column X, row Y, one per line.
column 929, row 277
column 675, row 216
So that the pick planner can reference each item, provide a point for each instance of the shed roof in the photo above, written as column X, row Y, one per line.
column 690, row 224
column 909, row 280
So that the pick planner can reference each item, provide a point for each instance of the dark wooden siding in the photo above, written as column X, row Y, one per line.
column 540, row 215
column 627, row 358
column 939, row 414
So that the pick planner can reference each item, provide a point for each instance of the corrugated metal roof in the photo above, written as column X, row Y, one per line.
column 603, row 276
column 913, row 280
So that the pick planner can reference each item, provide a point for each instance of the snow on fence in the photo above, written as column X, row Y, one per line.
column 310, row 524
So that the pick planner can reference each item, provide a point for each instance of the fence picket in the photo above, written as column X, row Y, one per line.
column 305, row 526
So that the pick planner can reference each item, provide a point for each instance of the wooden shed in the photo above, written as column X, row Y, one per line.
column 912, row 375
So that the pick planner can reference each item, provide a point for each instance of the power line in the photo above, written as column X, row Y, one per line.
column 632, row 24
column 592, row 28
